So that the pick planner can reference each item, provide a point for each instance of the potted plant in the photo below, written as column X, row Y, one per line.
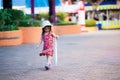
column 91, row 25
column 30, row 28
column 9, row 32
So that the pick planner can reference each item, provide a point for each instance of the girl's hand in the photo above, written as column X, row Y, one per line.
column 57, row 37
column 37, row 46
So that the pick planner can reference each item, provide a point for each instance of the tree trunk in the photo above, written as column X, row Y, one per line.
column 50, row 10
column 32, row 9
column 7, row 4
column 52, row 13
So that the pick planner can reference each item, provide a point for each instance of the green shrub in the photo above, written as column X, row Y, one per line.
column 4, row 17
column 26, row 17
column 65, row 23
column 61, row 16
column 16, row 14
column 42, row 15
column 26, row 23
column 8, row 27
column 90, row 23
column 9, row 19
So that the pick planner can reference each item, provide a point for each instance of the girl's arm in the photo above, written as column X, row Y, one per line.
column 40, row 42
column 55, row 36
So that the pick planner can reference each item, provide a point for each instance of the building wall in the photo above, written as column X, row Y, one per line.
column 66, row 2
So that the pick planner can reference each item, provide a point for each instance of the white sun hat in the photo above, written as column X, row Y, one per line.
column 46, row 23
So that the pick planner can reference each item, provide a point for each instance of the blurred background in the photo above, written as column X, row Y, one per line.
column 103, row 12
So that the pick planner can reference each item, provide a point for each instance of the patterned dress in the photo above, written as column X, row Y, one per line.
column 48, row 47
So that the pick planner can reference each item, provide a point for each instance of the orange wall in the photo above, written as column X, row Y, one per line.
column 69, row 29
column 9, row 38
column 32, row 34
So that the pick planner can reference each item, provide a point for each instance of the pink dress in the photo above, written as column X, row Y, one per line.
column 48, row 48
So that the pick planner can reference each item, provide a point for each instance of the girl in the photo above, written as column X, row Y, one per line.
column 47, row 38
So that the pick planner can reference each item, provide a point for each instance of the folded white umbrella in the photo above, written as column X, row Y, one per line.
column 55, row 52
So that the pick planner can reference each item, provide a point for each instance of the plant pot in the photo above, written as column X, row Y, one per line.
column 10, row 38
column 67, row 29
column 31, row 34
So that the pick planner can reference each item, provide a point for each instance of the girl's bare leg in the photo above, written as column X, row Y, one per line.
column 49, row 58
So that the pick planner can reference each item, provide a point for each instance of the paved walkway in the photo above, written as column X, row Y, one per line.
column 86, row 56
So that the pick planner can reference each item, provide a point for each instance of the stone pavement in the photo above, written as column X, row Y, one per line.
column 86, row 56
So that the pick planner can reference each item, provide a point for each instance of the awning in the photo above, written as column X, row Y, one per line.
column 41, row 3
column 103, row 7
column 26, row 3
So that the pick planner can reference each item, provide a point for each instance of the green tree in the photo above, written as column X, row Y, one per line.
column 52, row 13
column 50, row 10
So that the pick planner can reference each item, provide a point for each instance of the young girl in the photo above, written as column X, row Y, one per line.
column 47, row 38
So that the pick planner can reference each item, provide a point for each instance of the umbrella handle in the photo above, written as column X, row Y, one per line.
column 55, row 53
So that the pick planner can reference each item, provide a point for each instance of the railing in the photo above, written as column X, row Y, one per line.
column 110, row 24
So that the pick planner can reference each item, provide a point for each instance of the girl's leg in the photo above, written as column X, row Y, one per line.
column 49, row 58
